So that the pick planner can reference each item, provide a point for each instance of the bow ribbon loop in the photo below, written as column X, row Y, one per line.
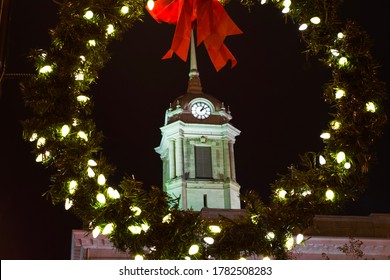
column 212, row 22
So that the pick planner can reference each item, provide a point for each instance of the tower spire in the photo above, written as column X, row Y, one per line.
column 194, row 85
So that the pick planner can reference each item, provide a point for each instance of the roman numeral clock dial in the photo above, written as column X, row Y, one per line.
column 200, row 110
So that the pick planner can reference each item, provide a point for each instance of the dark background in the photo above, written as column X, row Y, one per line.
column 274, row 94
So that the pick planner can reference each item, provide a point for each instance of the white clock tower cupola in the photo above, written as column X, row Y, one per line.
column 197, row 149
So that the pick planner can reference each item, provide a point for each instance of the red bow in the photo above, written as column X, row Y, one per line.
column 212, row 22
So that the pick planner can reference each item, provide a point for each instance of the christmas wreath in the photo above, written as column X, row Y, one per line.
column 148, row 223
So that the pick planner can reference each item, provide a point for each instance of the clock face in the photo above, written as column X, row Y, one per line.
column 200, row 110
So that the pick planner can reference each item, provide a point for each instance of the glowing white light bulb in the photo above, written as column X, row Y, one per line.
column 209, row 240
column 370, row 107
column 138, row 258
column 82, row 98
column 108, row 229
column 299, row 238
column 41, row 142
column 266, row 258
column 135, row 229
column 167, row 219
column 335, row 125
column 343, row 61
column 303, row 27
column 72, row 186
column 65, row 130
column 325, row 135
column 113, row 193
column 124, row 10
column 145, row 227
column 88, row 14
column 322, row 160
column 285, row 10
column 101, row 179
column 92, row 43
column 90, row 172
column 281, row 194
column 96, row 232
column 82, row 135
column 33, row 137
column 340, row 35
column 289, row 243
column 150, row 5
column 335, row 52
column 315, row 20
column 329, row 195
column 137, row 211
column 340, row 157
column 270, row 235
column 101, row 198
column 46, row 69
column 307, row 192
column 110, row 29
column 193, row 250
column 91, row 162
column 339, row 93
column 347, row 165
column 68, row 204
column 215, row 229
column 263, row 2
column 39, row 158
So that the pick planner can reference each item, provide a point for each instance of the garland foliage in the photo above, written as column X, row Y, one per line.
column 149, row 223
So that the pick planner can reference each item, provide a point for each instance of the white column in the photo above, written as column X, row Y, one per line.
column 232, row 163
column 172, row 173
column 179, row 156
column 226, row 156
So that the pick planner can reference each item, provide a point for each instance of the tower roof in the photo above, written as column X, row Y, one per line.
column 180, row 108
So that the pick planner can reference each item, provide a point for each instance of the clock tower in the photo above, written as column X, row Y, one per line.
column 197, row 149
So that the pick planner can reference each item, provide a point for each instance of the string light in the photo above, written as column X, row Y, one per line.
column 125, row 10
column 65, row 130
column 108, row 229
column 137, row 211
column 193, row 250
column 150, row 5
column 46, row 69
column 33, row 137
column 370, row 107
column 96, row 232
column 82, row 135
column 90, row 172
column 138, row 258
column 340, row 157
column 41, row 142
column 343, row 61
column 113, row 193
column 215, row 229
column 167, row 219
column 299, row 238
column 303, row 27
column 68, row 204
column 72, row 186
column 329, row 195
column 88, row 15
column 101, row 198
column 101, row 179
column 91, row 162
column 322, row 160
column 281, row 193
column 315, row 20
column 135, row 229
column 209, row 240
column 339, row 93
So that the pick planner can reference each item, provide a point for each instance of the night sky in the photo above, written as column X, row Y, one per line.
column 274, row 94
